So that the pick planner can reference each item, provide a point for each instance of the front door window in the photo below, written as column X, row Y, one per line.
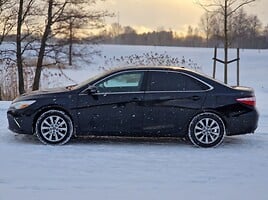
column 123, row 82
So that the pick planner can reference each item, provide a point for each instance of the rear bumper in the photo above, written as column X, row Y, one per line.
column 243, row 123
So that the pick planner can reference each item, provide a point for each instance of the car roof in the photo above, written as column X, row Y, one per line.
column 174, row 68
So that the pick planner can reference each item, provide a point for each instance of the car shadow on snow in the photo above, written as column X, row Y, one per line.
column 128, row 141
column 249, row 141
column 93, row 140
column 234, row 141
column 25, row 139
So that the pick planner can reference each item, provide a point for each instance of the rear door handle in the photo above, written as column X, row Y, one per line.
column 196, row 98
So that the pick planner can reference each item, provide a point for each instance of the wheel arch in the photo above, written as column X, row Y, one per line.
column 220, row 115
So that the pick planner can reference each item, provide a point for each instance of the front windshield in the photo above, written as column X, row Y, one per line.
column 91, row 79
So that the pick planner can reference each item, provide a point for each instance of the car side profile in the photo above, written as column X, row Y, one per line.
column 138, row 102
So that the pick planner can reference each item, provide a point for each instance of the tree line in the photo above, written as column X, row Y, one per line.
column 244, row 30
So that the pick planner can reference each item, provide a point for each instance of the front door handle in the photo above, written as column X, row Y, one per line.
column 136, row 99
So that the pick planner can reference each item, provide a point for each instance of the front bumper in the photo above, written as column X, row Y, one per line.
column 19, row 122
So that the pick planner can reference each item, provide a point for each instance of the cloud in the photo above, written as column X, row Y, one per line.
column 155, row 13
column 169, row 14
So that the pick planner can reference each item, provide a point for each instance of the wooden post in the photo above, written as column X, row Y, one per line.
column 238, row 66
column 226, row 39
column 215, row 62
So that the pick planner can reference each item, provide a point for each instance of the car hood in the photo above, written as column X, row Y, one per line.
column 47, row 91
column 41, row 93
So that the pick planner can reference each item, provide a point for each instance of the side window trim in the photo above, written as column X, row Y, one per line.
column 172, row 91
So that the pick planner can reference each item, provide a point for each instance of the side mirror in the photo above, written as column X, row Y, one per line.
column 92, row 89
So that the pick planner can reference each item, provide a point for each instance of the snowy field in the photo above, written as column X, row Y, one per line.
column 143, row 169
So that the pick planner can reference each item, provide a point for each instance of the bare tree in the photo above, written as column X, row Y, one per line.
column 77, row 18
column 206, row 26
column 60, row 14
column 15, row 18
column 226, row 8
column 24, row 8
column 255, row 24
column 34, row 20
column 240, row 27
column 54, row 11
column 129, row 30
column 265, row 33
column 6, row 18
column 115, row 30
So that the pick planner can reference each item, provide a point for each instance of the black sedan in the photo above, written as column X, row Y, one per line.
column 138, row 101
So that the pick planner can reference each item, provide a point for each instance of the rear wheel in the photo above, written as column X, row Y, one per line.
column 54, row 127
column 206, row 130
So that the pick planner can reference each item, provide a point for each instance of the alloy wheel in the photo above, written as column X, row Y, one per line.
column 207, row 130
column 54, row 128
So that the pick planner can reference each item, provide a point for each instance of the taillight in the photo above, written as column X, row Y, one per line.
column 250, row 101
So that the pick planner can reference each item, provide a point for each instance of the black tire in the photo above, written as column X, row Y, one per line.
column 54, row 127
column 206, row 130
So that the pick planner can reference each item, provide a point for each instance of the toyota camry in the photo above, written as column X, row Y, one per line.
column 138, row 102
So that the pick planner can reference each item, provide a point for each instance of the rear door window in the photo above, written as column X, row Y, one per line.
column 172, row 81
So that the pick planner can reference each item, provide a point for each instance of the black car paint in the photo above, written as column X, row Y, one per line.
column 142, row 113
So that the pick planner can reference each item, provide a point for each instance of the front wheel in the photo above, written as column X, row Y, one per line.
column 206, row 130
column 54, row 127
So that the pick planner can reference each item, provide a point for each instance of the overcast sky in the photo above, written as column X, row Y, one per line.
column 175, row 14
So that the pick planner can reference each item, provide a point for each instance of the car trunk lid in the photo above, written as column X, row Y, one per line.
column 246, row 95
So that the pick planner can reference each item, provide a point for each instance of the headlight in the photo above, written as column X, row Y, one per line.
column 22, row 104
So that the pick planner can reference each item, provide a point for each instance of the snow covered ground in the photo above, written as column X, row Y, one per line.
column 142, row 169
